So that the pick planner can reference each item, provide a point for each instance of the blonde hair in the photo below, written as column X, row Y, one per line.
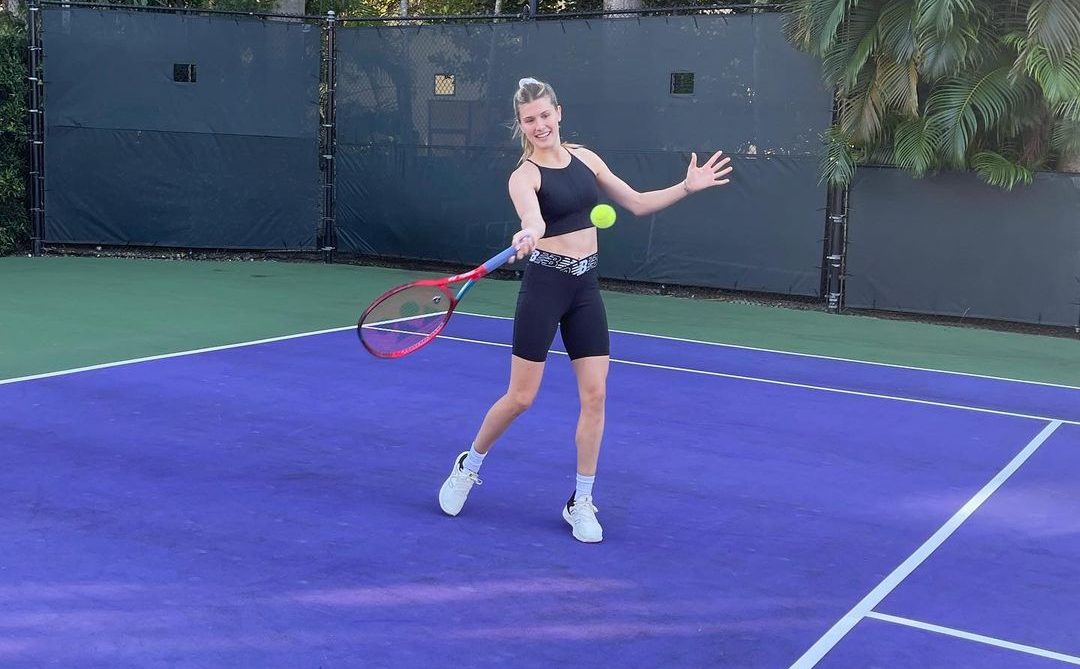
column 530, row 90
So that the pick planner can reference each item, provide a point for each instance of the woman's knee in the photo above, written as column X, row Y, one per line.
column 519, row 400
column 525, row 376
column 593, row 398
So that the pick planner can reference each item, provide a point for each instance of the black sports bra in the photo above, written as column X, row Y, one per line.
column 566, row 197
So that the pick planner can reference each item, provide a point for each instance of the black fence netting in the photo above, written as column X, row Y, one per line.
column 951, row 245
column 424, row 144
column 180, row 130
column 392, row 139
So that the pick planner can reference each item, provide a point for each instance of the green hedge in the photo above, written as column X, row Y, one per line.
column 14, row 222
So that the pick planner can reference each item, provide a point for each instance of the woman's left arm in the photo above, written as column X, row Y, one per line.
column 712, row 173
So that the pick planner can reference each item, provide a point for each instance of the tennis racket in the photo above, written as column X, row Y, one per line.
column 408, row 317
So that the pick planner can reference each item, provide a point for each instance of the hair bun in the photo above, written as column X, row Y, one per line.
column 527, row 80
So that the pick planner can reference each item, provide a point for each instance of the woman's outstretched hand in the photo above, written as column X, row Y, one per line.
column 710, row 174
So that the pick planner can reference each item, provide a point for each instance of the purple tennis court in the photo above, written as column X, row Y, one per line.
column 274, row 505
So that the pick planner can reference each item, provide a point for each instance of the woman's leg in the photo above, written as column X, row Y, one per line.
column 585, row 334
column 592, row 390
column 535, row 322
column 525, row 377
column 579, row 511
column 544, row 296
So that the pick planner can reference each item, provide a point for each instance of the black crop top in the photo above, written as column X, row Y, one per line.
column 567, row 196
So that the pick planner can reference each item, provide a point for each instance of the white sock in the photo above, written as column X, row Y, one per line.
column 584, row 486
column 473, row 460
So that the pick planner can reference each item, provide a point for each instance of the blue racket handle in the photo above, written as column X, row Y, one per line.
column 499, row 260
column 490, row 266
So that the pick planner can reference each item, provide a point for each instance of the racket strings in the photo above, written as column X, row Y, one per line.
column 405, row 319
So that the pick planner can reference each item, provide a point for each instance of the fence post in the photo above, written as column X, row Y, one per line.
column 834, row 265
column 836, row 245
column 327, row 234
column 36, row 134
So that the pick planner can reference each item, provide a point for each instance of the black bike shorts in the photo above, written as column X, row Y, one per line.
column 560, row 292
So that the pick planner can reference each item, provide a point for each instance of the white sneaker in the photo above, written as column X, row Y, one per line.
column 581, row 514
column 455, row 490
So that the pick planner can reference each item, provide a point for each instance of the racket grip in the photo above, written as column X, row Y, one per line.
column 499, row 260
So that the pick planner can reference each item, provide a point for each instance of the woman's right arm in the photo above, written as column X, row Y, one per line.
column 523, row 185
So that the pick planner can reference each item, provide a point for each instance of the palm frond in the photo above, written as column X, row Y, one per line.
column 941, row 16
column 862, row 109
column 879, row 153
column 1017, row 42
column 1055, row 25
column 897, row 29
column 943, row 54
column 899, row 83
column 997, row 170
column 812, row 24
column 856, row 39
column 1068, row 110
column 963, row 43
column 1065, row 138
column 837, row 10
column 1009, row 17
column 926, row 84
column 985, row 33
column 1059, row 78
column 798, row 23
column 840, row 159
column 915, row 145
column 960, row 105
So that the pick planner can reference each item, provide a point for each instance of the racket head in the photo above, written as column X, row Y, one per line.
column 406, row 318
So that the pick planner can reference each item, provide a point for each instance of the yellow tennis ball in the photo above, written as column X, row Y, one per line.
column 602, row 216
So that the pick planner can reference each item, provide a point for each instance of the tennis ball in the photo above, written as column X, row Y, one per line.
column 602, row 216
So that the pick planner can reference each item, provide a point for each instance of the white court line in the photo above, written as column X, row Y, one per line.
column 165, row 356
column 789, row 384
column 132, row 361
column 738, row 377
column 842, row 391
column 816, row 356
column 868, row 603
column 969, row 636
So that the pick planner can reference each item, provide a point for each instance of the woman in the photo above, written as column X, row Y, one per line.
column 554, row 189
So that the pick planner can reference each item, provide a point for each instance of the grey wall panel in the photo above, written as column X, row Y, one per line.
column 114, row 69
column 415, row 164
column 134, row 157
column 406, row 202
column 762, row 232
column 169, row 189
column 753, row 91
column 951, row 245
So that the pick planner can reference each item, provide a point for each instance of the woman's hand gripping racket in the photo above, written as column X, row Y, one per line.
column 406, row 318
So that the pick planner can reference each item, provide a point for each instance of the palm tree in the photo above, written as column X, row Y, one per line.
column 925, row 85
